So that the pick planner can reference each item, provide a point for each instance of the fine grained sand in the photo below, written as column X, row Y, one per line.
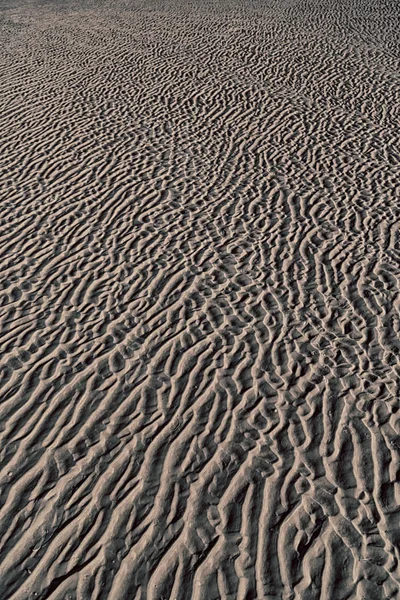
column 199, row 300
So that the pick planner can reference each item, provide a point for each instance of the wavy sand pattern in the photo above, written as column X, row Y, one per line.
column 199, row 307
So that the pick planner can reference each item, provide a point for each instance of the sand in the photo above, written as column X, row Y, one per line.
column 199, row 308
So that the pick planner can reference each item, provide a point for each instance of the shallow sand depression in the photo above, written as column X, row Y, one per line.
column 199, row 306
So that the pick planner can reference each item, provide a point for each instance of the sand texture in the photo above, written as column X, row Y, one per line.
column 199, row 300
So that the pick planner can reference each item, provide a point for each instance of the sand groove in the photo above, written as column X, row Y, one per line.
column 199, row 308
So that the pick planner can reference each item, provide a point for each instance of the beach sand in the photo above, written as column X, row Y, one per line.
column 199, row 307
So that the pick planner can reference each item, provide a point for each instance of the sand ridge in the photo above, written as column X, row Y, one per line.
column 199, row 310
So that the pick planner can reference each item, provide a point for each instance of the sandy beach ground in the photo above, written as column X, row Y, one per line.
column 199, row 300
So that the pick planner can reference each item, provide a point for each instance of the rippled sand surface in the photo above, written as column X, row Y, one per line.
column 199, row 307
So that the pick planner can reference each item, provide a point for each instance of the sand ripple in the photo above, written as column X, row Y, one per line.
column 199, row 308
